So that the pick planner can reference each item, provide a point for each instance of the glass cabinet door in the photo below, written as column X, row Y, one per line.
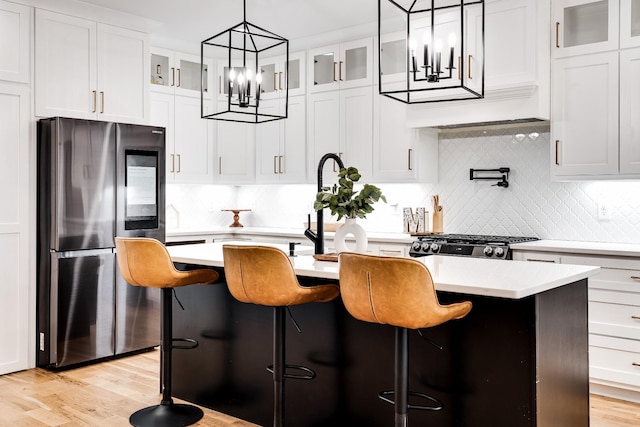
column 629, row 23
column 583, row 27
column 175, row 72
column 323, row 68
column 161, row 64
column 187, row 74
column 341, row 66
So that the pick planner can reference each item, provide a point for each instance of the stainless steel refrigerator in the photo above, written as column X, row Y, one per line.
column 96, row 180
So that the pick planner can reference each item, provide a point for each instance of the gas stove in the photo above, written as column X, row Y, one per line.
column 497, row 247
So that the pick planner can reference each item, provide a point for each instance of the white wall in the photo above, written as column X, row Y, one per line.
column 532, row 205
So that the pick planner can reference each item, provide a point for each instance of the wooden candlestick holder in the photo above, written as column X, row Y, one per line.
column 236, row 216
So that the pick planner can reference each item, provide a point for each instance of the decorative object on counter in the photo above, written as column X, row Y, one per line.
column 437, row 215
column 343, row 200
column 243, row 46
column 236, row 216
column 426, row 73
column 502, row 179
column 415, row 223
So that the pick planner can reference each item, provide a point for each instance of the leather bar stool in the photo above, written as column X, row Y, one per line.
column 397, row 292
column 265, row 276
column 146, row 262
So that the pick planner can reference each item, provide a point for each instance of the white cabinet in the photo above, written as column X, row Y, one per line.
column 584, row 26
column 274, row 76
column 280, row 144
column 584, row 121
column 189, row 138
column 180, row 73
column 630, row 111
column 517, row 64
column 235, row 152
column 341, row 122
column 629, row 23
column 400, row 153
column 90, row 70
column 16, row 328
column 344, row 65
column 614, row 320
column 15, row 42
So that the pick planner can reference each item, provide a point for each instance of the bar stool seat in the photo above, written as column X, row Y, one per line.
column 397, row 292
column 146, row 262
column 265, row 276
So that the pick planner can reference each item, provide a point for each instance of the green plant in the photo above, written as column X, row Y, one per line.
column 343, row 200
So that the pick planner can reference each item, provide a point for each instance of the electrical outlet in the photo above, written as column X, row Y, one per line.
column 41, row 341
column 604, row 211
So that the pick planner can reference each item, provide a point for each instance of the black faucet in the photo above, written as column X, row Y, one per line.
column 318, row 237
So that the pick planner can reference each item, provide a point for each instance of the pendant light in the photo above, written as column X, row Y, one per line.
column 241, row 50
column 431, row 50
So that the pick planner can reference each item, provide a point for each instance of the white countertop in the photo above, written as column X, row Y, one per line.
column 486, row 277
column 399, row 237
column 588, row 248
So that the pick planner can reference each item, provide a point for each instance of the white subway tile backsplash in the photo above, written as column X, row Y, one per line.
column 532, row 205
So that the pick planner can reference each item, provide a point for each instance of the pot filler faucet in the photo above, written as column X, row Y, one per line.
column 318, row 237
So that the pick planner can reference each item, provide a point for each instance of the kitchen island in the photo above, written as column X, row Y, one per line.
column 520, row 358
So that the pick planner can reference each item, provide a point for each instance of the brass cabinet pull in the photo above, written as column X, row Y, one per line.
column 101, row 102
column 635, row 364
column 173, row 76
column 459, row 65
column 275, row 81
column 540, row 260
column 178, row 85
column 274, row 164
column 173, row 163
column 635, row 317
column 280, row 163
column 280, row 80
column 179, row 164
column 220, row 165
column 410, row 150
column 340, row 70
column 334, row 71
column 557, row 35
column 557, row 160
column 95, row 100
column 219, row 85
column 390, row 251
column 469, row 64
column 634, row 277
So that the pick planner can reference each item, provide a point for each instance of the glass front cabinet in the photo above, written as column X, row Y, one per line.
column 585, row 26
column 179, row 73
column 341, row 66
column 629, row 23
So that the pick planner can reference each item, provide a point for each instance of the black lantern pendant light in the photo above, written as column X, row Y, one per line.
column 242, row 49
column 415, row 66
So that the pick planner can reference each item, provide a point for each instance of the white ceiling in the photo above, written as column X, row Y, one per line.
column 191, row 21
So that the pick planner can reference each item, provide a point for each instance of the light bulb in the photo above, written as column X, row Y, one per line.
column 438, row 45
column 248, row 73
column 412, row 44
column 232, row 74
column 452, row 39
column 259, row 78
column 240, row 78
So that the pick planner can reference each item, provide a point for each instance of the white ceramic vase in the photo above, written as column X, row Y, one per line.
column 350, row 227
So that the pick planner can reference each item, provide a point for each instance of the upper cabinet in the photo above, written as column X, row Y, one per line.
column 629, row 23
column 584, row 26
column 89, row 70
column 15, row 42
column 180, row 73
column 341, row 66
column 274, row 76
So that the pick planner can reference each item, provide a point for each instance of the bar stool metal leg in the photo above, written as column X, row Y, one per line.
column 167, row 413
column 279, row 341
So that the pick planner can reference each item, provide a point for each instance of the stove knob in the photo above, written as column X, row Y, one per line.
column 435, row 247
column 425, row 247
column 500, row 252
column 416, row 246
column 488, row 250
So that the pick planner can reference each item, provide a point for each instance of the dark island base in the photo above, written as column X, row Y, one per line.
column 485, row 374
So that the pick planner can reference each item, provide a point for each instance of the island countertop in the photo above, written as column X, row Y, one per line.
column 474, row 276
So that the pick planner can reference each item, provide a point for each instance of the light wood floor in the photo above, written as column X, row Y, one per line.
column 106, row 394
